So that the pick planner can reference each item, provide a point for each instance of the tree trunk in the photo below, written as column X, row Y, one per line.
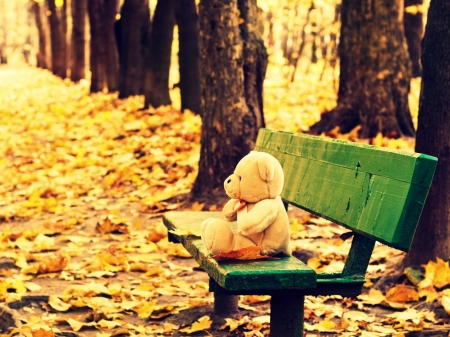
column 413, row 24
column 58, row 64
column 79, row 10
column 375, row 72
column 156, row 85
column 97, row 50
column 64, row 46
column 255, row 59
column 110, row 9
column 189, row 55
column 230, row 119
column 132, row 34
column 433, row 137
column 41, row 56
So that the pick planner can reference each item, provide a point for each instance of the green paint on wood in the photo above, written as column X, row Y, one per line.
column 373, row 191
column 359, row 256
column 395, row 164
column 286, row 315
column 283, row 273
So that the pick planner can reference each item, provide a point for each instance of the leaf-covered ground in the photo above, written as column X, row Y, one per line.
column 84, row 179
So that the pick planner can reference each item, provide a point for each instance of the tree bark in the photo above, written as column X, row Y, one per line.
column 64, row 29
column 230, row 119
column 413, row 25
column 110, row 10
column 58, row 63
column 375, row 72
column 97, row 50
column 132, row 33
column 42, row 55
column 156, row 85
column 78, row 64
column 255, row 59
column 433, row 137
column 189, row 54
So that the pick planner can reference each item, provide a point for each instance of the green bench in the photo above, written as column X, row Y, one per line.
column 375, row 192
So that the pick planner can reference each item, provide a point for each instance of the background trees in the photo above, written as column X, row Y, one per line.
column 133, row 35
column 233, row 64
column 57, row 38
column 374, row 72
column 433, row 137
column 78, row 64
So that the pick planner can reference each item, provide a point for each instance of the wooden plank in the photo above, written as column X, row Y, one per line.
column 396, row 164
column 373, row 191
column 283, row 273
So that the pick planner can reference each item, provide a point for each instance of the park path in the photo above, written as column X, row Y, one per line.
column 84, row 181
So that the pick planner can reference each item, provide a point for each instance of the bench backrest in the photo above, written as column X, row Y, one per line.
column 376, row 192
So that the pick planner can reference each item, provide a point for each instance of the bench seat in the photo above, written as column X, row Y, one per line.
column 256, row 276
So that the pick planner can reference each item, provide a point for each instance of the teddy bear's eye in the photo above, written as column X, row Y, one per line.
column 240, row 178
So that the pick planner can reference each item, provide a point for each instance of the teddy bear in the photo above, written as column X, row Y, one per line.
column 256, row 205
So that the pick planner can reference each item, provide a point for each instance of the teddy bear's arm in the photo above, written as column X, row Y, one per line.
column 259, row 217
column 229, row 211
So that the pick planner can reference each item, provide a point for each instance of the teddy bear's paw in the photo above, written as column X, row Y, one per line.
column 217, row 236
column 205, row 224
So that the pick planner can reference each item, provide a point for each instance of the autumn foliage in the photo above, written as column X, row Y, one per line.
column 84, row 180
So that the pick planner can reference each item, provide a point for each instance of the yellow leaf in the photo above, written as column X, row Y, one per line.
column 186, row 231
column 43, row 333
column 314, row 263
column 8, row 285
column 233, row 324
column 157, row 233
column 401, row 294
column 100, row 273
column 145, row 309
column 57, row 304
column 324, row 326
column 104, row 324
column 445, row 302
column 374, row 297
column 32, row 286
column 76, row 325
column 256, row 298
column 203, row 323
column 196, row 206
column 430, row 293
column 52, row 264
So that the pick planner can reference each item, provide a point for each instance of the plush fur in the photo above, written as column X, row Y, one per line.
column 254, row 189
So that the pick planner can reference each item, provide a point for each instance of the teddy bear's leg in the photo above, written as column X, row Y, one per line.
column 242, row 242
column 218, row 237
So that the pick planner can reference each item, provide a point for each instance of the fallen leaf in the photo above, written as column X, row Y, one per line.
column 57, row 304
column 402, row 293
column 107, row 226
column 233, row 324
column 52, row 264
column 43, row 333
column 203, row 323
column 247, row 253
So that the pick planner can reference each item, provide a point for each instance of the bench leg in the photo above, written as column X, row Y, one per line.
column 286, row 315
column 225, row 304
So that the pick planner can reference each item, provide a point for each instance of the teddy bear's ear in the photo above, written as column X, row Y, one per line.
column 266, row 168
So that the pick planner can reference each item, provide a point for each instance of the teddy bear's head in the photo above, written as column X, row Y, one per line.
column 257, row 176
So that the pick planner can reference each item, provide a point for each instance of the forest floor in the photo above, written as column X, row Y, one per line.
column 83, row 252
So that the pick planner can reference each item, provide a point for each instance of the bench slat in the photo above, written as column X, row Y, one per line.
column 283, row 273
column 343, row 182
column 411, row 167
